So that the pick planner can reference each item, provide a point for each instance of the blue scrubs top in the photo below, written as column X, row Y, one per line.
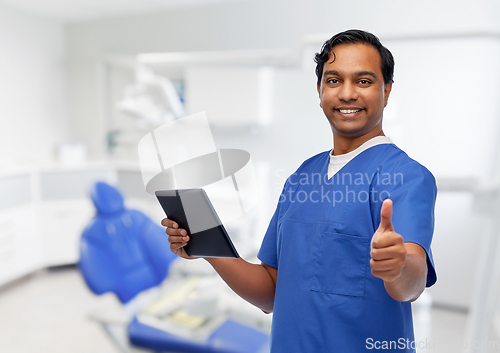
column 319, row 238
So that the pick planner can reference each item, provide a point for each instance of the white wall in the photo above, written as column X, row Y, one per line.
column 33, row 116
column 33, row 121
column 256, row 24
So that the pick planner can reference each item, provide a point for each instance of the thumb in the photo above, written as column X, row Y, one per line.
column 386, row 216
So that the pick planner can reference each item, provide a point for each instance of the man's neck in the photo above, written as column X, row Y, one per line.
column 342, row 145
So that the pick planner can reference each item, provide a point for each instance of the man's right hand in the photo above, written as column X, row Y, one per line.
column 254, row 283
column 177, row 238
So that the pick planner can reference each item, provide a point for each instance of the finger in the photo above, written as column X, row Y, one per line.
column 391, row 252
column 178, row 239
column 169, row 223
column 386, row 265
column 381, row 254
column 386, row 240
column 173, row 231
column 386, row 215
column 176, row 247
column 390, row 275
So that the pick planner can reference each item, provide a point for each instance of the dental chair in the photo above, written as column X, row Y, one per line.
column 122, row 251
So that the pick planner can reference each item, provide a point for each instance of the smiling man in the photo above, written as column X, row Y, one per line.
column 346, row 252
column 353, row 93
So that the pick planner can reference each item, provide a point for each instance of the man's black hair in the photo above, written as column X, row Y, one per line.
column 350, row 37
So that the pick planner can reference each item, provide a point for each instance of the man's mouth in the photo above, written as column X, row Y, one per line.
column 349, row 111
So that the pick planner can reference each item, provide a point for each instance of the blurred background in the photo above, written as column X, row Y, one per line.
column 82, row 82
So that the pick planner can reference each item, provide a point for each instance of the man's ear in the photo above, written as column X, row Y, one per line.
column 318, row 87
column 387, row 92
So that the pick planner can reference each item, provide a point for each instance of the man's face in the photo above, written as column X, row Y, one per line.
column 352, row 91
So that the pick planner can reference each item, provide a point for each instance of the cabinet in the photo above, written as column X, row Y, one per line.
column 43, row 211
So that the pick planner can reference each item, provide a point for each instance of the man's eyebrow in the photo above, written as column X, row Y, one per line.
column 365, row 73
column 356, row 74
column 331, row 72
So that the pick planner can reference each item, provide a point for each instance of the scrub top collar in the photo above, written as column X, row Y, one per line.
column 339, row 161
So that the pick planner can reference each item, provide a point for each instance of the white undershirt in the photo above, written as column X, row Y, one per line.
column 337, row 162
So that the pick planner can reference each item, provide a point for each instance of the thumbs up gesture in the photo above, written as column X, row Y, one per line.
column 388, row 252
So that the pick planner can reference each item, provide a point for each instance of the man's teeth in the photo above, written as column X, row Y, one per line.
column 348, row 111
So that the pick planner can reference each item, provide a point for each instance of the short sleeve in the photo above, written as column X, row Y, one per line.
column 268, row 252
column 412, row 189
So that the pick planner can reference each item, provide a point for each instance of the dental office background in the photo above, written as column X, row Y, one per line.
column 82, row 82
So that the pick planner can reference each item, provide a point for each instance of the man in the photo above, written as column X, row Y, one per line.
column 348, row 246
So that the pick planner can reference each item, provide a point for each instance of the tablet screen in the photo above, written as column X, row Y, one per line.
column 193, row 211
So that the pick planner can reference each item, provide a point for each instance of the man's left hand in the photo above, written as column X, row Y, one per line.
column 388, row 252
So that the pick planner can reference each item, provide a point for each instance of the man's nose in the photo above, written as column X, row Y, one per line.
column 348, row 92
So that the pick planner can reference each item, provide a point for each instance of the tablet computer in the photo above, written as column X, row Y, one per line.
column 192, row 210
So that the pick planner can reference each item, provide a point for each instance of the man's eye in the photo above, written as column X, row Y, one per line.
column 332, row 80
column 364, row 82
